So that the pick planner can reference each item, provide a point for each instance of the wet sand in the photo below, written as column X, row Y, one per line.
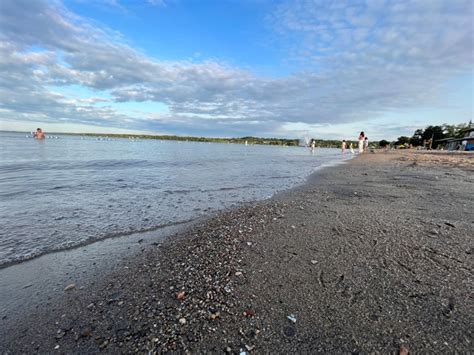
column 373, row 255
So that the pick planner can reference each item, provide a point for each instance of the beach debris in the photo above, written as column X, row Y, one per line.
column 242, row 352
column 238, row 273
column 249, row 244
column 182, row 321
column 314, row 262
column 450, row 224
column 70, row 287
column 28, row 285
column 403, row 350
column 293, row 227
column 56, row 347
column 249, row 347
column 180, row 295
column 292, row 318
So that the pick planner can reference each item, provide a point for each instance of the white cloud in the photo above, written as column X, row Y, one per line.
column 361, row 58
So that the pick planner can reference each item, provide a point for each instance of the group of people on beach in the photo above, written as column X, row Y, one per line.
column 363, row 144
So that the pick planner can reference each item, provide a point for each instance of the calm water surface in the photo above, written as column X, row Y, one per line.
column 59, row 193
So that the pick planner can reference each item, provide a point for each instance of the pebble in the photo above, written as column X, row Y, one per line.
column 238, row 273
column 182, row 321
column 314, row 262
column 289, row 331
column 70, row 287
column 248, row 313
column 403, row 350
column 215, row 315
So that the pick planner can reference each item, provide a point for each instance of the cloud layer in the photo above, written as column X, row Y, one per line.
column 355, row 61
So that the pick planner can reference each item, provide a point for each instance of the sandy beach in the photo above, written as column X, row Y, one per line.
column 374, row 255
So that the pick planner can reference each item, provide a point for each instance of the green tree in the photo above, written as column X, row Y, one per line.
column 384, row 143
column 417, row 138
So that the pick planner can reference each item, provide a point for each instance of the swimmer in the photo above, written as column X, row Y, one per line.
column 39, row 134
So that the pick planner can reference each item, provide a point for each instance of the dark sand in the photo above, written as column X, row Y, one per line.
column 371, row 256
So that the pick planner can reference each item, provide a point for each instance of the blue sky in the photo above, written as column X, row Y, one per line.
column 327, row 69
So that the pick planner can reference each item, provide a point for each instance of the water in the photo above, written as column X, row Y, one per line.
column 60, row 193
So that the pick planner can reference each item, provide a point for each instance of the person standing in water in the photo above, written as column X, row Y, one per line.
column 39, row 134
column 343, row 146
column 313, row 144
column 361, row 142
column 366, row 144
column 351, row 148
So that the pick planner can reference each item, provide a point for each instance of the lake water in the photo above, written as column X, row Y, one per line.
column 60, row 193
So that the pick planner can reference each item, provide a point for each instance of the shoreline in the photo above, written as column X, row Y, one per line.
column 244, row 271
column 21, row 278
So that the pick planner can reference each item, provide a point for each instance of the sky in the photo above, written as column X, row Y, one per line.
column 233, row 68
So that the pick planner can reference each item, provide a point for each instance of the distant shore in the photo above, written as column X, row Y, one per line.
column 371, row 255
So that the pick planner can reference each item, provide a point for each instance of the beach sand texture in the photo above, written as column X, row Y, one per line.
column 372, row 255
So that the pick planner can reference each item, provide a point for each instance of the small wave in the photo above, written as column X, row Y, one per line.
column 8, row 261
column 225, row 188
column 13, row 193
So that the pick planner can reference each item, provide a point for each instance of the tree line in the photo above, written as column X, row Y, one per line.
column 240, row 140
column 435, row 133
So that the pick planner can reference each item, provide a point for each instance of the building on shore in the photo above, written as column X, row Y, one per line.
column 465, row 143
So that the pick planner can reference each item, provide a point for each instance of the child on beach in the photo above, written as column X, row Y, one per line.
column 366, row 143
column 343, row 146
column 351, row 148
